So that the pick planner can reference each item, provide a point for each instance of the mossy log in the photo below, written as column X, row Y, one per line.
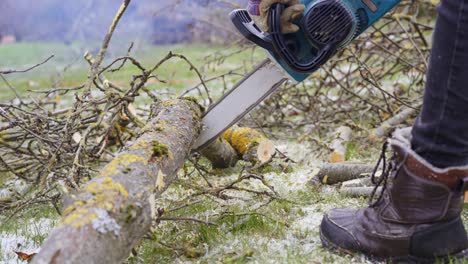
column 110, row 215
column 239, row 143
column 250, row 144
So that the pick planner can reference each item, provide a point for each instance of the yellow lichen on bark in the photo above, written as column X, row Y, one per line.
column 79, row 217
column 241, row 138
column 141, row 145
column 250, row 144
column 122, row 162
column 102, row 194
column 106, row 184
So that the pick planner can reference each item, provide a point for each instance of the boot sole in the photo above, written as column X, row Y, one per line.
column 401, row 259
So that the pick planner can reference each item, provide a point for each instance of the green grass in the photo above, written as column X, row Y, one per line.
column 29, row 229
column 69, row 69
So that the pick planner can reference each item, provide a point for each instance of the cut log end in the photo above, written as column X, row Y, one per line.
column 337, row 157
column 265, row 151
column 340, row 144
column 239, row 143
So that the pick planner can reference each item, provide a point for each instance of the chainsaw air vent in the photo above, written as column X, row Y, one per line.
column 363, row 21
column 328, row 22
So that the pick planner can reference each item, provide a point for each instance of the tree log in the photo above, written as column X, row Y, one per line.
column 340, row 144
column 359, row 191
column 383, row 130
column 115, row 210
column 360, row 182
column 331, row 173
column 250, row 144
column 221, row 154
column 239, row 143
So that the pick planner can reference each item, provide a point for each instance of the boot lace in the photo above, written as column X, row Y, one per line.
column 387, row 168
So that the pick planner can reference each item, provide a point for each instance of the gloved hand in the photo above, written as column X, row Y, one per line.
column 292, row 13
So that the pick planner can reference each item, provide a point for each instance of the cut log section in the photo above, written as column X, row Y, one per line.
column 383, row 130
column 250, row 144
column 340, row 144
column 239, row 143
column 332, row 173
column 360, row 191
column 110, row 215
column 221, row 154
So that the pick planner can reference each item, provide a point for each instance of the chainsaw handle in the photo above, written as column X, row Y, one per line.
column 284, row 52
column 247, row 27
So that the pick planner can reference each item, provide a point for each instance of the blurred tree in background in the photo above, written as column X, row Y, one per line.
column 158, row 22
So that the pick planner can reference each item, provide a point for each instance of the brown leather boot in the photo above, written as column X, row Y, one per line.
column 416, row 218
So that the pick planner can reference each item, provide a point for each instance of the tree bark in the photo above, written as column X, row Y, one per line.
column 331, row 173
column 221, row 154
column 250, row 144
column 115, row 210
column 342, row 136
column 239, row 143
column 383, row 130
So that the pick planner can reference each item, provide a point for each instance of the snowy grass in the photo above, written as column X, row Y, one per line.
column 283, row 231
column 26, row 233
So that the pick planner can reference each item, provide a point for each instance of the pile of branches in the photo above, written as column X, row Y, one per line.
column 58, row 138
column 56, row 146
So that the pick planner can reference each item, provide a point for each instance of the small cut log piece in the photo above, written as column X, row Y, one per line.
column 239, row 143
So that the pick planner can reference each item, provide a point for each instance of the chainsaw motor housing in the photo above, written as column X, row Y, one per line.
column 326, row 27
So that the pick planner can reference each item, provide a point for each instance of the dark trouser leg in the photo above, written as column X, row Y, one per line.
column 440, row 134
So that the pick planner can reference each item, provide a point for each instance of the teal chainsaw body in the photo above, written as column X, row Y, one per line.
column 326, row 27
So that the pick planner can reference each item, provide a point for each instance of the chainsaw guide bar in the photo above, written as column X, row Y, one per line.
column 241, row 99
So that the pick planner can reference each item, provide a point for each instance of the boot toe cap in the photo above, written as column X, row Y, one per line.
column 336, row 230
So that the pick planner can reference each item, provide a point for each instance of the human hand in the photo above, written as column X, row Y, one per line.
column 292, row 13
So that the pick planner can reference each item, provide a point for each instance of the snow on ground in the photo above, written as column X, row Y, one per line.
column 298, row 243
column 12, row 187
column 24, row 239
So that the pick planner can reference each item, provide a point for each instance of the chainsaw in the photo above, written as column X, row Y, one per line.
column 326, row 27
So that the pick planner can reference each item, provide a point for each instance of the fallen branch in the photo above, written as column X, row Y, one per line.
column 115, row 210
column 250, row 144
column 340, row 144
column 239, row 143
column 386, row 127
column 221, row 154
column 359, row 182
column 331, row 173
column 359, row 191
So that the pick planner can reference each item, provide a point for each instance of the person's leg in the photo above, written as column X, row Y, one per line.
column 440, row 134
column 417, row 218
